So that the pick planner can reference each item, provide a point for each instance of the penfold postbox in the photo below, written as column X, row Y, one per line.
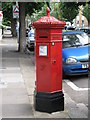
column 48, row 96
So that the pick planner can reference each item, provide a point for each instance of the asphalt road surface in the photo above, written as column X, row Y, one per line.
column 77, row 89
column 80, row 81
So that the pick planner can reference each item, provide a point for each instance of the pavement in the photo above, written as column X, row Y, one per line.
column 17, row 84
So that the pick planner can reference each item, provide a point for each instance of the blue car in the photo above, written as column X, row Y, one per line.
column 75, row 53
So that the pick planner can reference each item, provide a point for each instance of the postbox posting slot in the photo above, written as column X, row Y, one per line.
column 43, row 36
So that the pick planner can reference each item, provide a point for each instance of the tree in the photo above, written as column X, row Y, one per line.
column 8, row 16
column 38, row 14
column 29, row 9
column 25, row 8
column 22, row 31
column 86, row 12
column 31, row 6
column 7, row 10
column 54, row 11
column 69, row 10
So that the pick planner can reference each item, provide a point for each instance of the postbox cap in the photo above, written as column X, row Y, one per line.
column 48, row 22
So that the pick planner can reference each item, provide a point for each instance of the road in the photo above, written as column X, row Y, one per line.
column 80, row 81
column 76, row 89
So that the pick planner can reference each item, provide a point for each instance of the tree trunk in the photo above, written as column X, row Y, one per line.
column 22, row 31
column 13, row 27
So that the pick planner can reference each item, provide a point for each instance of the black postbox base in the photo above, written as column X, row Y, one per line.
column 49, row 102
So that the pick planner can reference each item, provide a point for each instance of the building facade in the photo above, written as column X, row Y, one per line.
column 80, row 21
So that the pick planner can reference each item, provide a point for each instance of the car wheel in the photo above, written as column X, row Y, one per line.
column 31, row 49
column 64, row 75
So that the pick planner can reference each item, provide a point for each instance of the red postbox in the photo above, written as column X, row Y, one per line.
column 48, row 92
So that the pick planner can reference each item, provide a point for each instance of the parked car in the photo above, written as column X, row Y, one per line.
column 8, row 27
column 27, row 31
column 17, row 32
column 84, row 35
column 86, row 30
column 81, row 34
column 69, row 28
column 31, row 40
column 75, row 54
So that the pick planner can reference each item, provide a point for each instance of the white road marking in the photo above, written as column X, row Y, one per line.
column 74, row 87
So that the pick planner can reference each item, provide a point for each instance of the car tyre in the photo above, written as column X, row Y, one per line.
column 64, row 75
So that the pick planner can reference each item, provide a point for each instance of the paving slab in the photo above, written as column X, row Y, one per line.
column 16, row 85
column 10, row 62
column 17, row 111
column 14, row 96
column 0, row 103
column 12, row 78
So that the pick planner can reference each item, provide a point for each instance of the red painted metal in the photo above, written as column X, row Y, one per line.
column 49, row 68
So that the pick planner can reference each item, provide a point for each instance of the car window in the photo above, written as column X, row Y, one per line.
column 82, row 39
column 31, row 33
column 71, row 40
column 84, row 34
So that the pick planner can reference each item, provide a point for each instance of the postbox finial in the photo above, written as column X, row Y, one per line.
column 48, row 11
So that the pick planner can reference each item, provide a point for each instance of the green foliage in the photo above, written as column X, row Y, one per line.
column 55, row 11
column 32, row 6
column 81, row 3
column 8, row 6
column 2, row 26
column 38, row 14
column 69, row 10
column 86, row 12
column 61, row 10
column 7, row 10
column 6, row 22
